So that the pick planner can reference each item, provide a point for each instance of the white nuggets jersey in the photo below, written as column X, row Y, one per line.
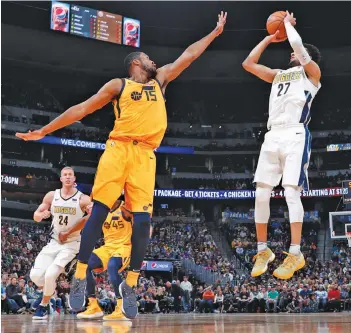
column 65, row 214
column 291, row 97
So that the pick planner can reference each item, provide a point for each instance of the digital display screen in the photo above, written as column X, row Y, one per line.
column 60, row 14
column 95, row 24
column 131, row 35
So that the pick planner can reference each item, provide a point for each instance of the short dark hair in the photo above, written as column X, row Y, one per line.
column 129, row 59
column 313, row 52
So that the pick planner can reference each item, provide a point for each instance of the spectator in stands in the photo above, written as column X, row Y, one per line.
column 273, row 296
column 177, row 295
column 218, row 301
column 207, row 300
column 187, row 288
column 334, row 299
column 322, row 297
column 244, row 299
column 12, row 292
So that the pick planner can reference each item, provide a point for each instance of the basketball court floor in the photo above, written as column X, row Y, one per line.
column 187, row 323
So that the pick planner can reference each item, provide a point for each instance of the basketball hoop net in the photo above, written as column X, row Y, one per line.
column 348, row 236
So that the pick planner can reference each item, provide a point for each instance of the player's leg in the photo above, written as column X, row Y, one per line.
column 268, row 174
column 37, row 274
column 108, row 185
column 139, row 192
column 114, row 267
column 93, row 310
column 294, row 179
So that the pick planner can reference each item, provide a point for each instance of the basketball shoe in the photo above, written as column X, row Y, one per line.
column 262, row 259
column 117, row 314
column 290, row 265
column 93, row 311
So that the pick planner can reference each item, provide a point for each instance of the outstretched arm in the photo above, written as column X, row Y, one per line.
column 42, row 211
column 171, row 71
column 311, row 67
column 251, row 64
column 77, row 112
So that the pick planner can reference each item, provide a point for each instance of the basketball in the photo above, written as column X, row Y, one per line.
column 275, row 22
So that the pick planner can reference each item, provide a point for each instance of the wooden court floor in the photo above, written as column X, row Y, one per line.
column 186, row 323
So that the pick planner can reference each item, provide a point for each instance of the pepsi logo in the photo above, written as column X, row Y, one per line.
column 153, row 265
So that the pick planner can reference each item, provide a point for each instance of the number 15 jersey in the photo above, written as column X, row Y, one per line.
column 291, row 97
column 140, row 113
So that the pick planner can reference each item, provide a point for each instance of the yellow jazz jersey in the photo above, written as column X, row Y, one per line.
column 140, row 113
column 117, row 236
column 117, row 231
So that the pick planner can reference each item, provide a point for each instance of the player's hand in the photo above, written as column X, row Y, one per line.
column 63, row 236
column 222, row 19
column 290, row 18
column 274, row 38
column 45, row 215
column 31, row 135
column 89, row 208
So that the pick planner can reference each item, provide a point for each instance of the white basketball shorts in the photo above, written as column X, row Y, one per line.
column 285, row 153
column 56, row 253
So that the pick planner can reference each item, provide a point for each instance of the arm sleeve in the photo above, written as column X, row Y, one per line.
column 296, row 44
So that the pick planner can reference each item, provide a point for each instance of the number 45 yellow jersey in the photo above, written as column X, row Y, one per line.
column 117, row 228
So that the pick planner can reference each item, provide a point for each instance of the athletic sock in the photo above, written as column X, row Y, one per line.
column 91, row 233
column 44, row 304
column 132, row 278
column 294, row 249
column 81, row 271
column 261, row 246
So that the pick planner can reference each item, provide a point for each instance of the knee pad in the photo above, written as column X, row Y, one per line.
column 263, row 196
column 37, row 276
column 293, row 200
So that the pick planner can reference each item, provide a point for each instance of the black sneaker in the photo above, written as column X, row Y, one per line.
column 76, row 299
column 129, row 301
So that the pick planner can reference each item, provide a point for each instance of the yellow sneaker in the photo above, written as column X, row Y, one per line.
column 117, row 314
column 262, row 259
column 290, row 265
column 92, row 312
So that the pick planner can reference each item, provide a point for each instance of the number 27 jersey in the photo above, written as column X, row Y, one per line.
column 291, row 97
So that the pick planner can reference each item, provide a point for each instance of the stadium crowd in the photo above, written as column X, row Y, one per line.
column 318, row 287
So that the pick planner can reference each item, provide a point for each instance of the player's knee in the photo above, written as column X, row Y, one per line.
column 94, row 262
column 141, row 221
column 37, row 276
column 293, row 200
column 114, row 265
column 263, row 194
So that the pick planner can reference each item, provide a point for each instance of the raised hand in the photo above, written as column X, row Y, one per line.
column 290, row 18
column 31, row 135
column 222, row 19
column 274, row 38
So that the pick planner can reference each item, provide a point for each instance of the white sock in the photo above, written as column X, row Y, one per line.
column 44, row 304
column 261, row 246
column 294, row 249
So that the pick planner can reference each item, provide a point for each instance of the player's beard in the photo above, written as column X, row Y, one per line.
column 151, row 71
column 294, row 63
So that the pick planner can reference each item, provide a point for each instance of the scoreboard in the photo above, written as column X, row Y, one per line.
column 96, row 24
column 346, row 184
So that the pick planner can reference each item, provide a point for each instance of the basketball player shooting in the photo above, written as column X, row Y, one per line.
column 128, row 161
column 67, row 207
column 286, row 149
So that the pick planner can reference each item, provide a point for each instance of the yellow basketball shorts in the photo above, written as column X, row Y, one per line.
column 106, row 252
column 127, row 165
